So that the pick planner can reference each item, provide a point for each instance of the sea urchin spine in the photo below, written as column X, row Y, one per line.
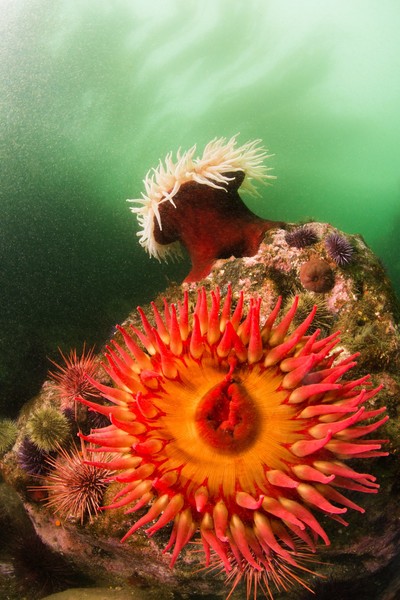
column 47, row 428
column 75, row 488
column 236, row 430
column 301, row 237
column 8, row 434
column 339, row 248
column 70, row 379
column 32, row 459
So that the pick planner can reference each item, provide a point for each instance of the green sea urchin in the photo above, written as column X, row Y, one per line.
column 47, row 428
column 8, row 434
column 323, row 319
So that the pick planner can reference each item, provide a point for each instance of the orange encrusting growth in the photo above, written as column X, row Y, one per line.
column 236, row 430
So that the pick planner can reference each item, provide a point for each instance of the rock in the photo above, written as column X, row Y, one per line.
column 101, row 594
column 361, row 304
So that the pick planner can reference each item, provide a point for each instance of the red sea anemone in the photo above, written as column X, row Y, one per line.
column 194, row 202
column 236, row 430
column 317, row 276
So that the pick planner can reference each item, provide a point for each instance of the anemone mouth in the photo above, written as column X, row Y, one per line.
column 236, row 429
column 317, row 276
column 227, row 418
column 226, row 426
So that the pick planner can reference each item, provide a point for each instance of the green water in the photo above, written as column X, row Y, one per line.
column 94, row 92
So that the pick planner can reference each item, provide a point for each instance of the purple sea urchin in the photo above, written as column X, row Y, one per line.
column 301, row 236
column 32, row 459
column 96, row 420
column 339, row 249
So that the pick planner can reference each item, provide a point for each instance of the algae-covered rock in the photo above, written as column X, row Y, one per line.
column 103, row 594
column 360, row 303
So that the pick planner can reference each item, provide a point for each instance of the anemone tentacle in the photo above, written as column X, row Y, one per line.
column 220, row 159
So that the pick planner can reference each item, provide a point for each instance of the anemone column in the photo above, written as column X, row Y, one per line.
column 211, row 223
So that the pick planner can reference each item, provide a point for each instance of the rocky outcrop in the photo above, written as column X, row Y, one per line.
column 359, row 301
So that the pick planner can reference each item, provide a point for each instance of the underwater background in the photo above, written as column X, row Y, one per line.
column 95, row 92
